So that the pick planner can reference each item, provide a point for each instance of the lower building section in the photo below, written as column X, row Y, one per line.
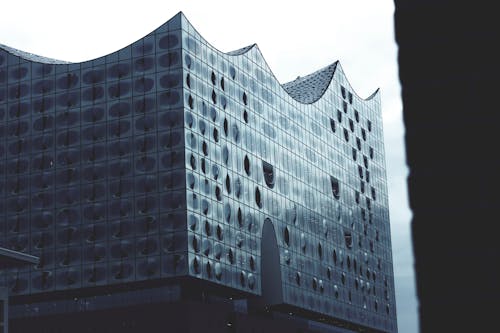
column 182, row 306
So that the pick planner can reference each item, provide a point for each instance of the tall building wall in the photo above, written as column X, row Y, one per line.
column 93, row 165
column 170, row 158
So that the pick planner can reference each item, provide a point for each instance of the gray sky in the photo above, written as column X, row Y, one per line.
column 295, row 37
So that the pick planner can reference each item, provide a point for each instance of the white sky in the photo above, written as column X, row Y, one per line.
column 295, row 37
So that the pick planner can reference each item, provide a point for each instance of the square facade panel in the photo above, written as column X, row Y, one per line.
column 169, row 159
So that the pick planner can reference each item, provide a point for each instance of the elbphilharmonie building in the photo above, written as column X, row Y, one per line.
column 170, row 171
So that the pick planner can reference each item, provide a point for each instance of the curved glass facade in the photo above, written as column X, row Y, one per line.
column 167, row 157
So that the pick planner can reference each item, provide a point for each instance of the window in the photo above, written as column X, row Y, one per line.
column 258, row 199
column 191, row 102
column 216, row 135
column 268, row 170
column 348, row 239
column 214, row 97
column 246, row 165
column 213, row 78
column 286, row 236
column 335, row 187
column 332, row 125
column 226, row 127
column 218, row 193
column 228, row 184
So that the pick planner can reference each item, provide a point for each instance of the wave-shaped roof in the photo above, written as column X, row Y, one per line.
column 241, row 51
column 32, row 57
column 310, row 88
column 307, row 89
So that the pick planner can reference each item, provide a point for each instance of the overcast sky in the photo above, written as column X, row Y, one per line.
column 295, row 37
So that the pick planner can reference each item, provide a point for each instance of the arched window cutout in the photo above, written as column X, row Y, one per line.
column 213, row 78
column 287, row 236
column 246, row 165
column 335, row 187
column 258, row 199
column 214, row 97
column 226, row 127
column 348, row 239
column 332, row 125
column 228, row 184
column 218, row 193
column 232, row 72
column 268, row 174
column 191, row 102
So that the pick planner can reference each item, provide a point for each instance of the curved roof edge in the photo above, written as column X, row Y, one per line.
column 32, row 57
column 312, row 87
column 241, row 51
column 376, row 93
column 305, row 90
column 371, row 97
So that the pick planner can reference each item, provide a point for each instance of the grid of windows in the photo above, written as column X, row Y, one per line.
column 165, row 158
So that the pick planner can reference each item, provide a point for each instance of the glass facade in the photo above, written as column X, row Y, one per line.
column 167, row 158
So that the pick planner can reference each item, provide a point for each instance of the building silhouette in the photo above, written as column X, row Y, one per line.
column 171, row 185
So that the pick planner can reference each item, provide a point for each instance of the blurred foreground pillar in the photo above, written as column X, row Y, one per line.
column 449, row 74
